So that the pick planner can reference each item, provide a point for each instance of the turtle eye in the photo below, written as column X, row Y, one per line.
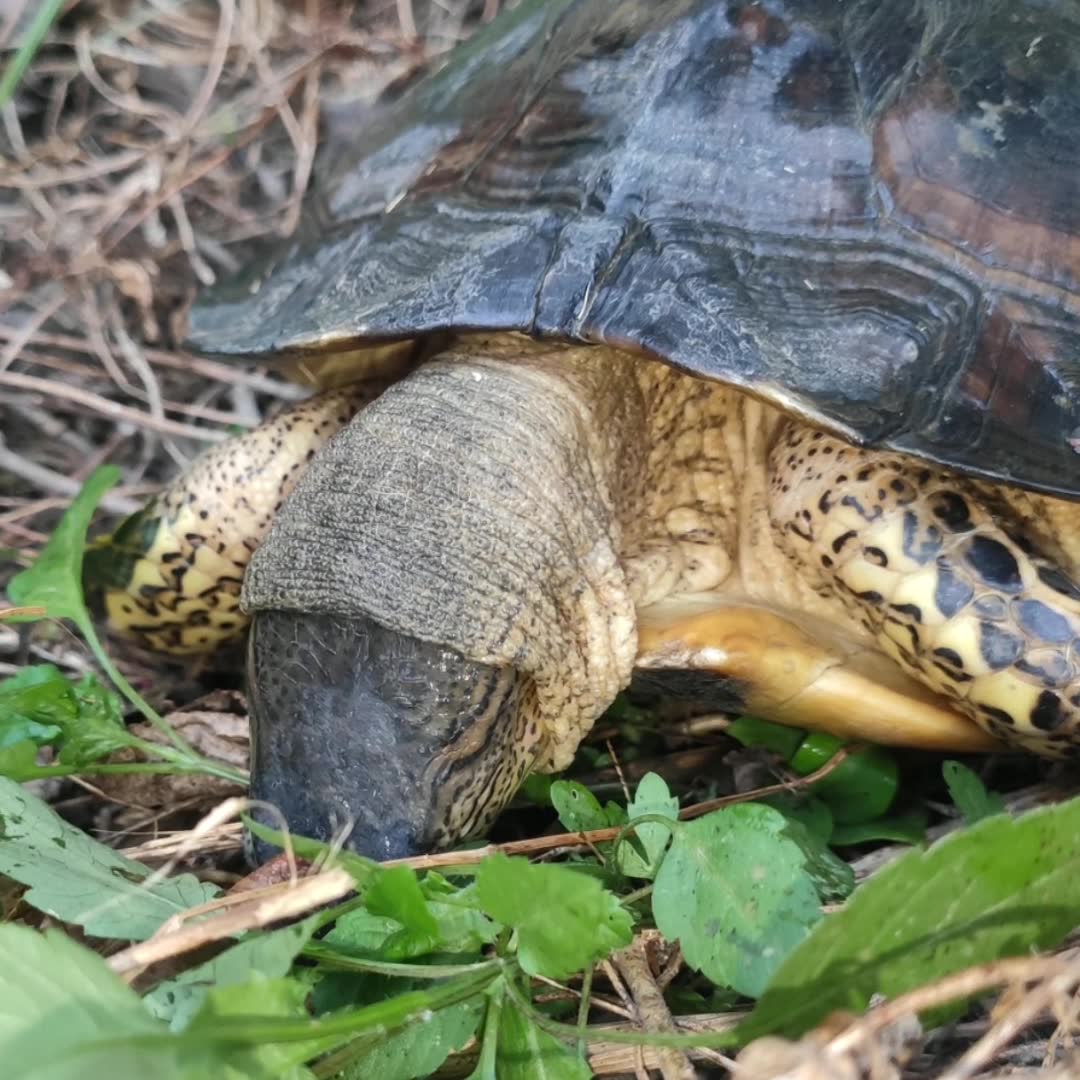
column 405, row 744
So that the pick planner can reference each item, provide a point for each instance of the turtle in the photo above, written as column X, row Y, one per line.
column 730, row 346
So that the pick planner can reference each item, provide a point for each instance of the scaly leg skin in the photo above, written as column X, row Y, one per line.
column 170, row 576
column 949, row 588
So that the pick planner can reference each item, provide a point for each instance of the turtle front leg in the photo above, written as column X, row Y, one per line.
column 946, row 584
column 170, row 575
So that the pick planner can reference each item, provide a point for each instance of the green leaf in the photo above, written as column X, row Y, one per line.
column 813, row 813
column 577, row 807
column 1001, row 888
column 463, row 927
column 58, row 997
column 969, row 793
column 84, row 718
column 97, row 729
column 360, row 933
column 652, row 797
column 734, row 889
column 47, row 14
column 19, row 762
column 34, row 704
column 76, row 879
column 420, row 1048
column 565, row 920
column 396, row 893
column 832, row 877
column 54, row 582
column 906, row 828
column 283, row 999
column 267, row 956
column 526, row 1052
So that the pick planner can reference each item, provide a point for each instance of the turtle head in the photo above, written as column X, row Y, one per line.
column 439, row 605
column 399, row 743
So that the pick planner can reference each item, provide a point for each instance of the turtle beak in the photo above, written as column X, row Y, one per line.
column 401, row 745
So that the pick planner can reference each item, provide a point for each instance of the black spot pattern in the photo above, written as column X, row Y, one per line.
column 952, row 593
column 841, row 540
column 920, row 549
column 1052, row 577
column 1047, row 714
column 952, row 511
column 994, row 563
column 950, row 656
column 912, row 610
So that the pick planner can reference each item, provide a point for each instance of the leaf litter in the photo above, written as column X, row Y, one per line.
column 150, row 146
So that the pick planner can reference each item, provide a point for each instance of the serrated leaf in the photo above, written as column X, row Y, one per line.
column 1000, row 888
column 267, row 956
column 75, row 879
column 652, row 797
column 527, row 1052
column 735, row 891
column 565, row 920
column 577, row 806
column 59, row 997
column 54, row 582
column 969, row 793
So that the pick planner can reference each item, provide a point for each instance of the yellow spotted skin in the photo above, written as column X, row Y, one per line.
column 179, row 564
column 692, row 488
column 948, row 590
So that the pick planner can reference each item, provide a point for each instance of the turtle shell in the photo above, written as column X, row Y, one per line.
column 867, row 213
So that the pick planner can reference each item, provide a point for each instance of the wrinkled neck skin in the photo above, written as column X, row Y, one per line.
column 511, row 504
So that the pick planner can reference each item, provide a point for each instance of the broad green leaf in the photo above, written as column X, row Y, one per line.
column 813, row 813
column 19, row 762
column 526, row 1052
column 577, row 807
column 78, row 880
column 59, row 997
column 652, row 797
column 969, row 793
column 266, row 956
column 282, row 999
column 54, row 582
column 906, row 828
column 360, row 933
column 396, row 893
column 832, row 877
column 565, row 920
column 735, row 891
column 463, row 927
column 420, row 1048
column 1003, row 887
